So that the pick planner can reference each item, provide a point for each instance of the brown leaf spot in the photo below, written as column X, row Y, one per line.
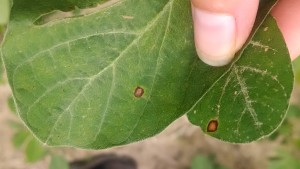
column 212, row 126
column 138, row 92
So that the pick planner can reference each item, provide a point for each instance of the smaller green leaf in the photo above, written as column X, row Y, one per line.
column 203, row 162
column 1, row 69
column 34, row 151
column 4, row 11
column 293, row 111
column 285, row 160
column 58, row 162
column 15, row 125
column 296, row 67
column 286, row 127
column 297, row 143
column 11, row 105
column 20, row 138
column 1, row 63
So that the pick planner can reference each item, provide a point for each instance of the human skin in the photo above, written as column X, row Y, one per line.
column 221, row 27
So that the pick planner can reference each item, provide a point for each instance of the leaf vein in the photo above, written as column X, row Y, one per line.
column 156, row 67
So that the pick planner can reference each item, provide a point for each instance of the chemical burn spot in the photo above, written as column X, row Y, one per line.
column 212, row 126
column 139, row 92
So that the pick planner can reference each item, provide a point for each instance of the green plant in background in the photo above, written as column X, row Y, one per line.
column 4, row 11
column 33, row 149
column 4, row 17
column 203, row 162
column 1, row 64
column 296, row 66
column 122, row 74
column 286, row 160
column 289, row 150
column 286, row 129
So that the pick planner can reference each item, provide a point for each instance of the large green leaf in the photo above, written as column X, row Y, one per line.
column 126, row 71
column 74, row 80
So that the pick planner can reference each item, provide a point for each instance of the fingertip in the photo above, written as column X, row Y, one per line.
column 222, row 27
column 287, row 15
column 214, row 36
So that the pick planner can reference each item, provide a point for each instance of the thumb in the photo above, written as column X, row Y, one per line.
column 221, row 28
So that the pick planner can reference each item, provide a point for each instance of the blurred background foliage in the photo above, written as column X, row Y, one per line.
column 287, row 155
column 33, row 149
column 4, row 11
column 4, row 17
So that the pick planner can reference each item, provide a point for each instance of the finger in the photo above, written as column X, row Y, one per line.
column 221, row 28
column 287, row 14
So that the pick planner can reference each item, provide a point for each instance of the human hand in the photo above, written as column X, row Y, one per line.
column 223, row 26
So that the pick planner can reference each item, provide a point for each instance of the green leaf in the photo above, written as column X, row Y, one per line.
column 202, row 162
column 1, row 63
column 15, row 124
column 293, row 111
column 248, row 99
column 58, row 162
column 20, row 138
column 34, row 151
column 296, row 66
column 74, row 80
column 11, row 104
column 1, row 70
column 125, row 72
column 284, row 160
column 4, row 11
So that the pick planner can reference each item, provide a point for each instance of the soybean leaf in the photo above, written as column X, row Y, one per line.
column 20, row 138
column 1, row 64
column 34, row 151
column 296, row 66
column 107, row 78
column 284, row 160
column 202, row 162
column 58, row 162
column 293, row 111
column 11, row 104
column 1, row 71
column 4, row 11
column 248, row 99
column 15, row 125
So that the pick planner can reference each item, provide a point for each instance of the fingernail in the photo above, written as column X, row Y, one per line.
column 215, row 35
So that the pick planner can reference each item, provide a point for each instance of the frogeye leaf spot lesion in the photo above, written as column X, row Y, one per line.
column 139, row 92
column 213, row 126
